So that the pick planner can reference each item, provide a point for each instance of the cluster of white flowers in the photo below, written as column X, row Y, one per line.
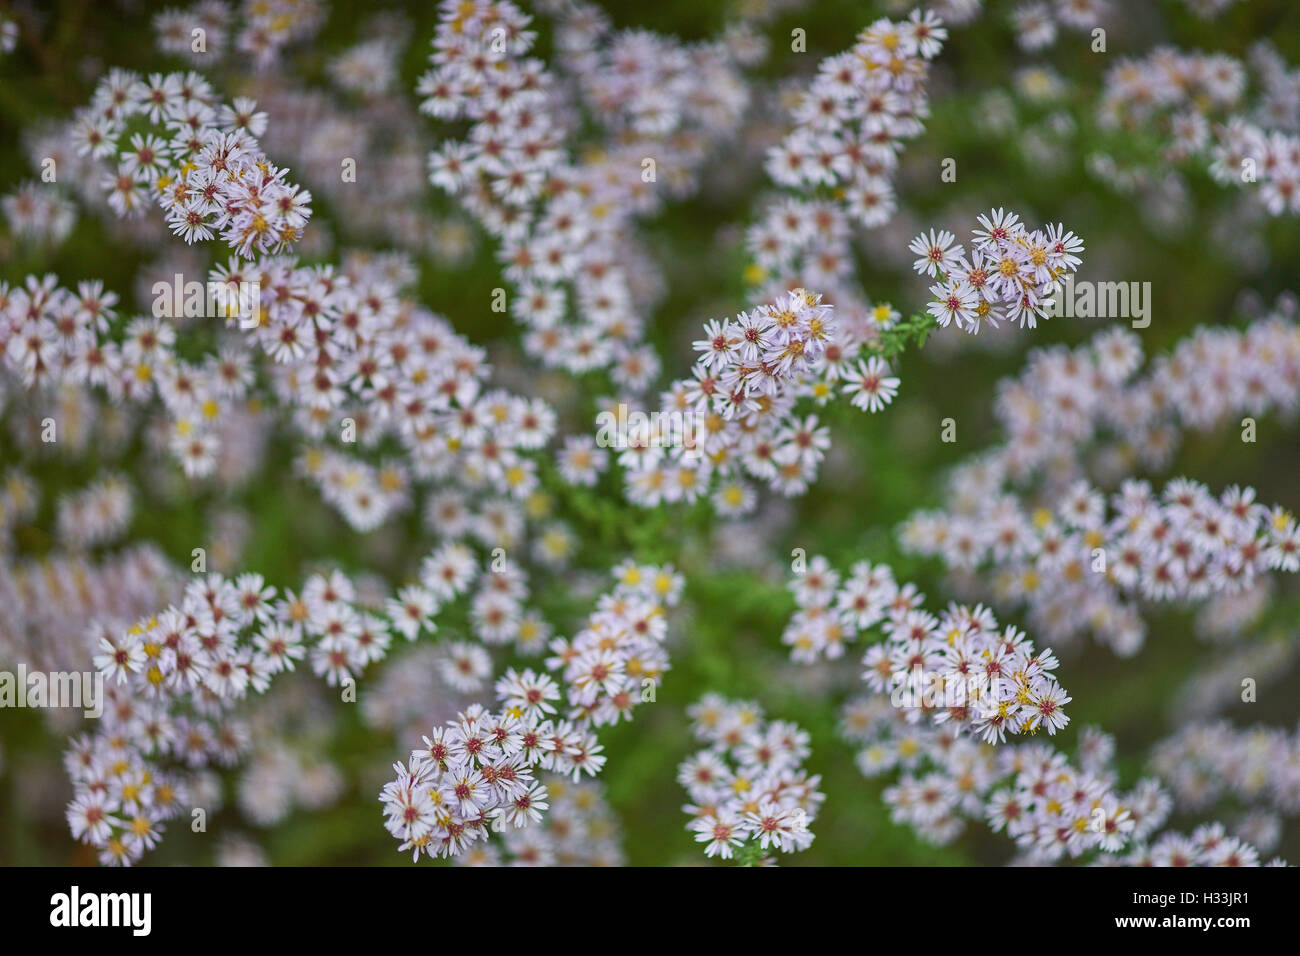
column 38, row 214
column 649, row 88
column 1047, row 805
column 386, row 410
column 1036, row 21
column 383, row 140
column 1088, row 407
column 1139, row 91
column 1208, row 845
column 71, row 181
column 367, row 69
column 478, row 772
column 332, row 141
column 350, row 358
column 412, row 693
column 91, row 402
column 1074, row 413
column 1084, row 564
column 352, row 355
column 56, row 337
column 51, row 334
column 564, row 225
column 579, row 829
column 46, row 604
column 748, row 786
column 849, row 129
column 1246, row 154
column 259, row 31
column 735, row 418
column 120, row 804
column 1011, row 274
column 365, row 495
column 1052, row 808
column 96, row 514
column 8, row 36
column 167, row 137
column 176, row 677
column 420, row 688
column 287, row 768
column 960, row 668
column 386, row 367
column 1279, row 103
column 1196, row 100
column 851, row 122
column 1258, row 766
